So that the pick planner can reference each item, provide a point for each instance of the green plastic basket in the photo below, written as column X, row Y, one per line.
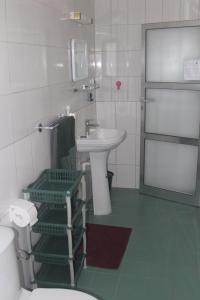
column 54, row 185
column 53, row 221
column 54, row 250
column 53, row 276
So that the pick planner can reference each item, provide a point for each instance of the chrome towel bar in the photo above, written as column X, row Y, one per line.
column 51, row 126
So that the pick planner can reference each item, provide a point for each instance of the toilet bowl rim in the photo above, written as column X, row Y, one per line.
column 90, row 294
column 97, row 297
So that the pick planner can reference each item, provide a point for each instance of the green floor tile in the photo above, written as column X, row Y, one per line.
column 184, row 282
column 162, row 259
column 130, row 287
column 85, row 280
column 105, row 284
column 157, row 288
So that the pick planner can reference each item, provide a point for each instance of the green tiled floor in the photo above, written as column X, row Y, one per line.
column 162, row 260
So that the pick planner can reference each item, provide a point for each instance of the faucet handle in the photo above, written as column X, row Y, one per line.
column 91, row 122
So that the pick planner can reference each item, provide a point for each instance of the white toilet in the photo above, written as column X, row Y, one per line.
column 10, row 288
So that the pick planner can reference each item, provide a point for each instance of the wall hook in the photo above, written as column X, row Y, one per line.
column 118, row 84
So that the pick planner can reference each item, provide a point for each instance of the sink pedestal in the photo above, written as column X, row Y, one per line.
column 101, row 195
column 99, row 143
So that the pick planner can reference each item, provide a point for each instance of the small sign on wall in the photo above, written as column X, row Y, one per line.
column 192, row 69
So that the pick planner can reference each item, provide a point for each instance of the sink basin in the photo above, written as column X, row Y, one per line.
column 99, row 143
column 101, row 139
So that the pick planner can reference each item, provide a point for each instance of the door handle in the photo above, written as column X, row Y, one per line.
column 145, row 100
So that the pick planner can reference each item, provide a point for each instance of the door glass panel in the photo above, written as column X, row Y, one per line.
column 168, row 49
column 173, row 112
column 170, row 166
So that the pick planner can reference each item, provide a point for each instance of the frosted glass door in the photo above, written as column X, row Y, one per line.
column 171, row 166
column 170, row 107
column 168, row 49
column 173, row 112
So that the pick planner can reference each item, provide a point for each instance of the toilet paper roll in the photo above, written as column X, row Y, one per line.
column 23, row 213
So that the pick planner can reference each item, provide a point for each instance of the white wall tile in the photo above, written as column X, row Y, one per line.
column 126, row 176
column 80, row 124
column 190, row 9
column 120, row 37
column 103, row 12
column 126, row 151
column 100, row 62
column 113, row 169
column 4, row 70
column 134, row 37
column 106, row 114
column 137, row 150
column 38, row 107
column 6, row 132
column 134, row 63
column 27, row 66
column 122, row 64
column 58, row 5
column 104, row 92
column 58, row 69
column 134, row 88
column 103, row 37
column 171, row 10
column 92, row 65
column 24, row 163
column 126, row 116
column 35, row 84
column 54, row 31
column 119, row 12
column 105, row 64
column 19, row 109
column 87, row 112
column 154, row 10
column 3, row 33
column 61, row 96
column 112, row 157
column 50, row 29
column 89, row 7
column 137, row 177
column 21, row 20
column 136, row 11
column 138, row 118
column 8, row 189
column 41, row 152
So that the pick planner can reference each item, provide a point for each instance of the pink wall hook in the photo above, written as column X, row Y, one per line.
column 118, row 84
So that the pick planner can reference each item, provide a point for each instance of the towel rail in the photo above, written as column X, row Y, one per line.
column 56, row 122
column 51, row 126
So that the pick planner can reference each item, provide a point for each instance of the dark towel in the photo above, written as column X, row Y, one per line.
column 62, row 141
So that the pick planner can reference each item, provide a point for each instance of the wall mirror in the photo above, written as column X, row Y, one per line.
column 79, row 57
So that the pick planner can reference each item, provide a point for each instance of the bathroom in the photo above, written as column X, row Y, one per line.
column 162, row 257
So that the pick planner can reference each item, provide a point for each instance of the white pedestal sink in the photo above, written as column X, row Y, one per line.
column 99, row 143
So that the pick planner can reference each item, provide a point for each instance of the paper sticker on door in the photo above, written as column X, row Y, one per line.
column 192, row 69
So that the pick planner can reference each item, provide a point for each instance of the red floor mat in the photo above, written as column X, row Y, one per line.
column 106, row 245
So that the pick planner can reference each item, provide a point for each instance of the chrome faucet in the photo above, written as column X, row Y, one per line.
column 90, row 123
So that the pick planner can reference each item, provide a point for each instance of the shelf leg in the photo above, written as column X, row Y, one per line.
column 28, row 263
column 71, row 266
column 85, row 250
column 70, row 244
column 83, row 188
column 83, row 181
column 69, row 210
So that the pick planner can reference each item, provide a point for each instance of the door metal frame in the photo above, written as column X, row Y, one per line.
column 193, row 199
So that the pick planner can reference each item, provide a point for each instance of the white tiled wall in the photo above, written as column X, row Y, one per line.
column 118, row 50
column 35, row 84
